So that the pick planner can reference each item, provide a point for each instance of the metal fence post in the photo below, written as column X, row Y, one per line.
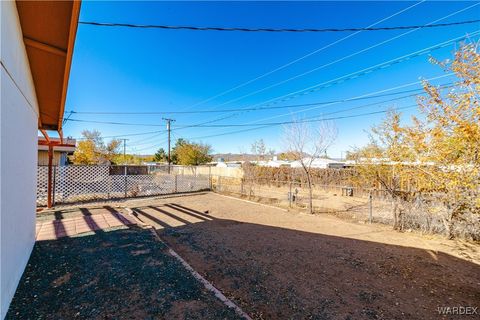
column 290, row 195
column 125, row 180
column 210, row 177
column 176, row 184
column 370, row 213
column 241, row 186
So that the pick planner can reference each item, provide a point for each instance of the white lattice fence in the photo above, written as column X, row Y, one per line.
column 83, row 183
column 42, row 185
column 78, row 183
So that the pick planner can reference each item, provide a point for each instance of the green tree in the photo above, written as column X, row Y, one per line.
column 173, row 153
column 160, row 156
column 192, row 154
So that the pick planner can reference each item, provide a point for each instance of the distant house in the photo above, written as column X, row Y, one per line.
column 275, row 163
column 320, row 163
column 223, row 164
column 60, row 151
column 151, row 163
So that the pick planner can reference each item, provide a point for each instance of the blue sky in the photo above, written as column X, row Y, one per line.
column 143, row 70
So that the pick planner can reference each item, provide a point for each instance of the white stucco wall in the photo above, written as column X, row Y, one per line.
column 18, row 155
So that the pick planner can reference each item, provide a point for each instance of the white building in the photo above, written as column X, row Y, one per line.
column 223, row 164
column 319, row 163
column 37, row 41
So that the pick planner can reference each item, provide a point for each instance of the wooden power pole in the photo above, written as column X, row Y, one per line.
column 169, row 129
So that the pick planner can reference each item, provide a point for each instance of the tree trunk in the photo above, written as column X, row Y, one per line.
column 310, row 195
column 448, row 223
column 394, row 211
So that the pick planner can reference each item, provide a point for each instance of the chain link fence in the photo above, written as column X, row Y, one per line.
column 296, row 194
column 422, row 211
column 77, row 183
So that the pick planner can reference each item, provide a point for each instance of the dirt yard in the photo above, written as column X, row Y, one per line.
column 272, row 263
column 276, row 264
column 115, row 274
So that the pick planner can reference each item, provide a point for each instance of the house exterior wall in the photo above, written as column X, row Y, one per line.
column 18, row 155
column 59, row 158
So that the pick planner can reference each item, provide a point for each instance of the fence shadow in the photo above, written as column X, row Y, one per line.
column 282, row 273
column 270, row 271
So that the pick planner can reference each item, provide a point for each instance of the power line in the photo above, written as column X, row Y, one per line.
column 298, row 30
column 320, row 103
column 241, row 85
column 336, row 81
column 306, row 121
column 125, row 135
column 117, row 123
column 317, row 87
column 148, row 139
column 291, row 122
column 241, row 109
column 363, row 95
column 313, row 117
column 380, row 66
column 151, row 146
column 294, row 62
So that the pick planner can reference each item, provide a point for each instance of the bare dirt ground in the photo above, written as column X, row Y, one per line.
column 325, row 200
column 116, row 274
column 277, row 264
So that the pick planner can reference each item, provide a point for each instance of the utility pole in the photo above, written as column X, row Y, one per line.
column 124, row 148
column 168, row 129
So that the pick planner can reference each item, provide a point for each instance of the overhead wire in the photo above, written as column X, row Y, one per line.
column 237, row 109
column 120, row 135
column 365, row 95
column 317, row 118
column 315, row 88
column 328, row 113
column 319, row 104
column 328, row 83
column 325, row 119
column 299, row 30
column 311, row 53
column 307, row 121
column 246, row 109
column 397, row 60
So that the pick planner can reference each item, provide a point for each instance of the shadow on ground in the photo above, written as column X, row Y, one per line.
column 270, row 272
column 278, row 273
column 122, row 274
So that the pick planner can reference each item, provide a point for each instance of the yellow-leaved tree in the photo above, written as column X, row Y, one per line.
column 447, row 137
column 438, row 155
column 192, row 154
column 92, row 149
